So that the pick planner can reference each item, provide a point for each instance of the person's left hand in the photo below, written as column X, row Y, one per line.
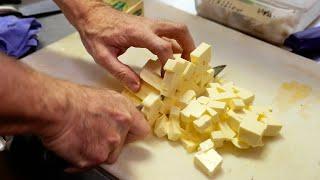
column 107, row 33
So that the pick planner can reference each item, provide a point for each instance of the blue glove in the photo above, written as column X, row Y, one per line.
column 18, row 36
column 305, row 43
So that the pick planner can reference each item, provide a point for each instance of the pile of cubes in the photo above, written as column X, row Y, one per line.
column 190, row 106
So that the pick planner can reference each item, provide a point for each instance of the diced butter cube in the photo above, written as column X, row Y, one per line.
column 170, row 83
column 273, row 127
column 187, row 97
column 234, row 120
column 239, row 144
column 218, row 106
column 203, row 123
column 173, row 66
column 214, row 115
column 151, row 78
column 205, row 145
column 186, row 117
column 217, row 138
column 195, row 109
column 151, row 115
column 161, row 126
column 189, row 145
column 152, row 101
column 236, row 104
column 245, row 95
column 202, row 54
column 225, row 96
column 208, row 161
column 145, row 90
column 251, row 132
column 212, row 92
column 188, row 71
column 174, row 131
column 167, row 104
column 226, row 130
column 174, row 113
column 203, row 100
column 176, row 56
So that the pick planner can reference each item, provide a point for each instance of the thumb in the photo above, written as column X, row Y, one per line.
column 139, row 128
column 119, row 70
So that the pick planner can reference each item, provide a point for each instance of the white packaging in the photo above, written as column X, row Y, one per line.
column 272, row 20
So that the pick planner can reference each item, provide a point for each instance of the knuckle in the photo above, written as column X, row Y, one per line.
column 124, row 118
column 165, row 47
column 114, row 140
column 121, row 74
column 182, row 28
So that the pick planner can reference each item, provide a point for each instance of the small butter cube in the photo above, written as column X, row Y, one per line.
column 203, row 123
column 218, row 106
column 236, row 104
column 234, row 120
column 187, row 97
column 161, row 126
column 239, row 144
column 217, row 138
column 203, row 99
column 251, row 132
column 205, row 145
column 145, row 90
column 273, row 127
column 208, row 161
column 176, row 56
column 195, row 109
column 188, row 71
column 174, row 131
column 173, row 66
column 202, row 54
column 225, row 96
column 245, row 95
column 226, row 130
column 151, row 115
column 212, row 92
column 167, row 104
column 185, row 116
column 174, row 113
column 170, row 83
column 189, row 145
column 151, row 78
column 152, row 101
column 214, row 115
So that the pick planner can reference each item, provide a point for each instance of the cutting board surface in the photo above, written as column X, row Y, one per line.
column 289, row 83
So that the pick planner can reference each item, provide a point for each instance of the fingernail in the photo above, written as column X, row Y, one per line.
column 135, row 86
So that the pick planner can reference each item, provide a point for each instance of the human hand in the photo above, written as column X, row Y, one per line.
column 93, row 127
column 107, row 33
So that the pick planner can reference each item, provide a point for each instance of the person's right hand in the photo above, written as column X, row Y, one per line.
column 94, row 127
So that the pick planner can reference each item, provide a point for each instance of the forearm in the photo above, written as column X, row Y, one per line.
column 77, row 11
column 26, row 98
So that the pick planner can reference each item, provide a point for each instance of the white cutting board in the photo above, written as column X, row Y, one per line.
column 252, row 64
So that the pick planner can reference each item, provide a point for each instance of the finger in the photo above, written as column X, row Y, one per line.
column 157, row 45
column 139, row 128
column 119, row 70
column 179, row 32
column 176, row 48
